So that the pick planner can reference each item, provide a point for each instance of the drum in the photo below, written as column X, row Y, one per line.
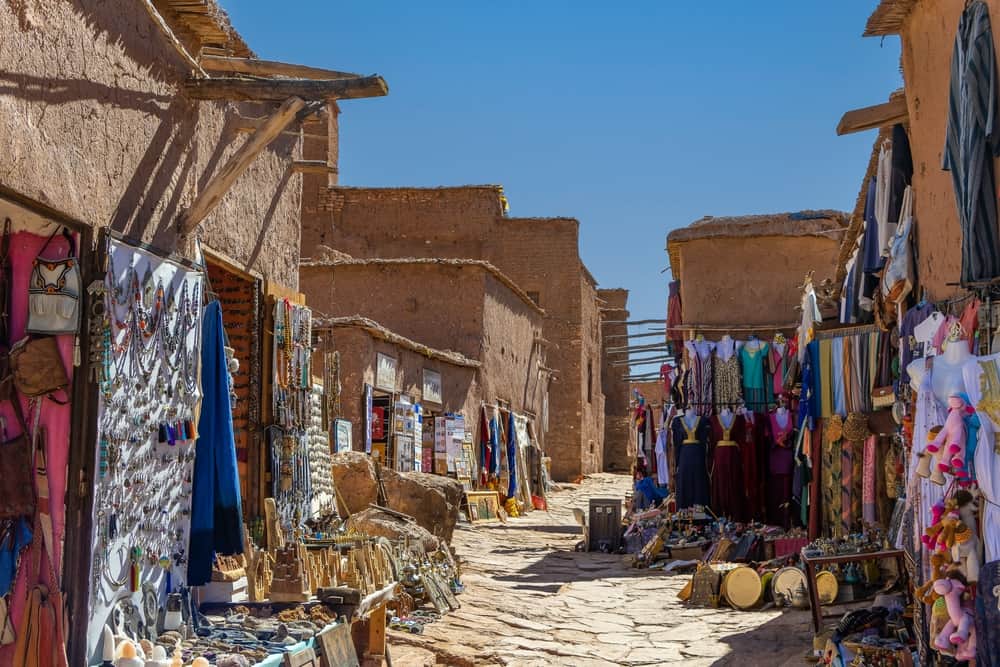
column 826, row 587
column 765, row 585
column 741, row 588
column 785, row 582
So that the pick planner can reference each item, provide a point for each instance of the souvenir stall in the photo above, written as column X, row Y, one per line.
column 509, row 462
column 41, row 307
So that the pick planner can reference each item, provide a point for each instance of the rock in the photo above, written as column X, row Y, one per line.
column 433, row 500
column 374, row 521
column 354, row 479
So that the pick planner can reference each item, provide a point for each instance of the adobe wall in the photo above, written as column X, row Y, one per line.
column 651, row 391
column 928, row 36
column 591, row 387
column 619, row 443
column 404, row 222
column 438, row 305
column 542, row 257
column 511, row 357
column 750, row 281
column 460, row 391
column 92, row 124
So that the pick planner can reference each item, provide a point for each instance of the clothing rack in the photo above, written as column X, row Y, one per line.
column 841, row 332
column 736, row 328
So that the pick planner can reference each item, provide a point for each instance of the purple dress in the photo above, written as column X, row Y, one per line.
column 780, row 466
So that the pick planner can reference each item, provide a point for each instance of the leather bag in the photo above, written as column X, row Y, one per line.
column 17, row 490
column 37, row 367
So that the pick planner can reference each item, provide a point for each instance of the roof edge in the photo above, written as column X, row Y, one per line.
column 380, row 332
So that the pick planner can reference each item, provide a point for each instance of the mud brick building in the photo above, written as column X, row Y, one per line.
column 619, row 438
column 540, row 256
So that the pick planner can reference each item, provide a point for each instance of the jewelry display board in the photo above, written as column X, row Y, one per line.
column 320, row 461
column 149, row 392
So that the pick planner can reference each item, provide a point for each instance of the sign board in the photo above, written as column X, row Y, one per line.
column 432, row 386
column 341, row 435
column 385, row 372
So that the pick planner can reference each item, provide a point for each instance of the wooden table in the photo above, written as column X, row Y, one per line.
column 812, row 564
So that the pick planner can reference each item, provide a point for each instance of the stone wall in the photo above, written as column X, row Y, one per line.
column 619, row 442
column 95, row 125
column 754, row 280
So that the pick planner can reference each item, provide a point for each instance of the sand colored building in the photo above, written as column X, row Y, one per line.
column 747, row 270
column 619, row 438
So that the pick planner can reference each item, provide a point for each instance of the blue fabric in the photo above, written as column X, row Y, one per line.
column 647, row 487
column 972, row 425
column 837, row 363
column 216, row 514
column 815, row 405
column 871, row 254
column 10, row 550
column 495, row 447
column 511, row 456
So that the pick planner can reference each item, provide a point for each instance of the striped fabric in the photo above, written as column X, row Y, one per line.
column 971, row 142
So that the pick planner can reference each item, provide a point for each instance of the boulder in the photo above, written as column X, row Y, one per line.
column 432, row 500
column 354, row 480
column 379, row 523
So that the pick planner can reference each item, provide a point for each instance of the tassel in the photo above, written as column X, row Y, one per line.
column 76, row 351
column 192, row 430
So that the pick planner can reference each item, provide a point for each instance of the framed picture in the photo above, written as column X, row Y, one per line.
column 483, row 505
column 385, row 372
column 432, row 386
column 342, row 435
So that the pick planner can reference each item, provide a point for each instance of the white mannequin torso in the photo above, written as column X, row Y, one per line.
column 726, row 348
column 727, row 418
column 946, row 370
column 690, row 418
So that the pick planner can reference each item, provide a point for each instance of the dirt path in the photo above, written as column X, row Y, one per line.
column 531, row 600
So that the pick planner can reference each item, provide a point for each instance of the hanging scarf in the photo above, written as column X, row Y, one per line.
column 494, row 447
column 216, row 514
column 511, row 456
column 484, row 446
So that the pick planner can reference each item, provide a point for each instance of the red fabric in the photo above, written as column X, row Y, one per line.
column 788, row 546
column 970, row 322
column 674, row 317
column 728, row 497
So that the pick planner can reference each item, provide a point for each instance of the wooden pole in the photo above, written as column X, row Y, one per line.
column 648, row 334
column 637, row 348
column 271, row 68
column 275, row 90
column 238, row 163
column 634, row 322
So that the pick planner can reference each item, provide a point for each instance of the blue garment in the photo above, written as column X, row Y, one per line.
column 837, row 363
column 871, row 255
column 647, row 487
column 806, row 416
column 10, row 550
column 815, row 401
column 972, row 426
column 495, row 447
column 216, row 514
column 511, row 456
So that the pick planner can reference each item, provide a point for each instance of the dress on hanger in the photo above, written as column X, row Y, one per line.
column 751, row 456
column 700, row 384
column 728, row 498
column 662, row 467
column 753, row 376
column 777, row 367
column 780, row 465
column 692, row 471
column 728, row 381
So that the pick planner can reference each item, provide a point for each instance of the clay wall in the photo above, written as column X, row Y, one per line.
column 619, row 443
column 756, row 280
column 460, row 391
column 404, row 222
column 928, row 36
column 96, row 126
column 592, row 399
column 437, row 305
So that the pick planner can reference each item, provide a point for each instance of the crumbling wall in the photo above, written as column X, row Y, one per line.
column 619, row 442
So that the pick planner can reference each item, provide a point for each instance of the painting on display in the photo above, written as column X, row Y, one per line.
column 432, row 386
column 342, row 435
column 385, row 372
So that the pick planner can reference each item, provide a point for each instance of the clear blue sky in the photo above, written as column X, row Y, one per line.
column 635, row 120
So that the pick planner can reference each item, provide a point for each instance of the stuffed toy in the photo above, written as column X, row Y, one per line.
column 965, row 551
column 959, row 633
column 949, row 443
column 926, row 593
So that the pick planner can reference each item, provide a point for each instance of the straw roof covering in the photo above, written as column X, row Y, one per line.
column 888, row 17
column 376, row 330
column 334, row 261
column 857, row 222
column 204, row 27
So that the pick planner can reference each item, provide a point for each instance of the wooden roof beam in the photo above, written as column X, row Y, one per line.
column 219, row 185
column 276, row 90
column 880, row 115
column 258, row 67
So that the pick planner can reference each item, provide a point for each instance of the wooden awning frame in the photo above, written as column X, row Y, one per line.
column 886, row 114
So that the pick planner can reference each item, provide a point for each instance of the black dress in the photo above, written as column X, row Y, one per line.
column 691, row 447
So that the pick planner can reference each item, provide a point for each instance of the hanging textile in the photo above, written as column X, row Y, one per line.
column 752, row 356
column 485, row 451
column 831, row 470
column 868, row 510
column 700, row 364
column 216, row 514
column 727, row 378
column 780, row 466
column 511, row 456
column 972, row 142
column 674, row 318
column 728, row 497
column 662, row 466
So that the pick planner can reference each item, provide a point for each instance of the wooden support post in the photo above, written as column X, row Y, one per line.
column 258, row 67
column 313, row 167
column 274, row 90
column 216, row 189
column 376, row 631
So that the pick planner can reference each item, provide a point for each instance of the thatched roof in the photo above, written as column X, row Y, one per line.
column 857, row 222
column 376, row 330
column 888, row 17
column 204, row 27
column 335, row 261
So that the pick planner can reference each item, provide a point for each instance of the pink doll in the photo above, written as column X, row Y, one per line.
column 959, row 632
column 949, row 445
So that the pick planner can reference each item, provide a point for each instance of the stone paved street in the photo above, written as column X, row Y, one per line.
column 531, row 600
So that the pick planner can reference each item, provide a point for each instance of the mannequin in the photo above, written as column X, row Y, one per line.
column 691, row 417
column 726, row 347
column 726, row 417
column 946, row 377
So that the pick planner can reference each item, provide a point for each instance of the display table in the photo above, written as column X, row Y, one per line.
column 368, row 627
column 813, row 563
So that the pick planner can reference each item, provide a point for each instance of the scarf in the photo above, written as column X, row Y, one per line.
column 511, row 456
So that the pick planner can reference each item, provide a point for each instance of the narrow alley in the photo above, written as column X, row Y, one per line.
column 531, row 600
